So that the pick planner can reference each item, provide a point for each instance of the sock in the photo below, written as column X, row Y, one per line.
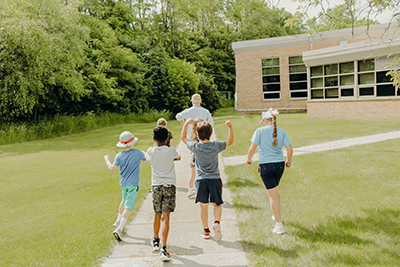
column 122, row 224
column 119, row 217
column 279, row 224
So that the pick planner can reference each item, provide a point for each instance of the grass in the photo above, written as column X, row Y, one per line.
column 302, row 130
column 339, row 208
column 58, row 200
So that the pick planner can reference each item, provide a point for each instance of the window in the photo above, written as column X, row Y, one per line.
column 363, row 78
column 297, row 77
column 271, row 79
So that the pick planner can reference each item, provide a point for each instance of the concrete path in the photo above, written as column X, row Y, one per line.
column 236, row 160
column 185, row 243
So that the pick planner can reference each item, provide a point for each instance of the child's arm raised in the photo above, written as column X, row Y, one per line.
column 184, row 131
column 230, row 134
column 110, row 166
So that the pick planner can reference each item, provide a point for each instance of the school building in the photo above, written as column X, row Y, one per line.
column 332, row 74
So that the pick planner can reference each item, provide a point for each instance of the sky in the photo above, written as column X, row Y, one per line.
column 292, row 6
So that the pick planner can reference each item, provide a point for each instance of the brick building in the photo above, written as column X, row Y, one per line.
column 332, row 74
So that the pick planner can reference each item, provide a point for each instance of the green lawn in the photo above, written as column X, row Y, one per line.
column 58, row 200
column 339, row 208
column 302, row 130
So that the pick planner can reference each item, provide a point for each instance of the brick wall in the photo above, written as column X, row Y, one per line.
column 356, row 109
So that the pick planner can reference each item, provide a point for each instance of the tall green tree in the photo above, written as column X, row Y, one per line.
column 41, row 50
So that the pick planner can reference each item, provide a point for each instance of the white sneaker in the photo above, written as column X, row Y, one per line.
column 278, row 230
column 273, row 217
column 191, row 193
column 217, row 232
column 117, row 234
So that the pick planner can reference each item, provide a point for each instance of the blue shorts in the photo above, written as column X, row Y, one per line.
column 129, row 195
column 271, row 173
column 209, row 190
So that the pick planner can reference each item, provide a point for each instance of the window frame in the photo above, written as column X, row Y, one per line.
column 357, row 86
column 294, row 91
column 270, row 93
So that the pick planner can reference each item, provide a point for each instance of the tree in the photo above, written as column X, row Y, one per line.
column 41, row 50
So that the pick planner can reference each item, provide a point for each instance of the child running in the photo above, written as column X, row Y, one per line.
column 193, row 136
column 163, row 122
column 269, row 139
column 129, row 161
column 208, row 179
column 163, row 180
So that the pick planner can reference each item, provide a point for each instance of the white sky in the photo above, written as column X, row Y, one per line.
column 292, row 6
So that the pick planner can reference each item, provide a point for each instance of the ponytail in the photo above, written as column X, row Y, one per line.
column 275, row 133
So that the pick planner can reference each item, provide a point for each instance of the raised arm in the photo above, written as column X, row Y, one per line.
column 250, row 154
column 230, row 133
column 289, row 150
column 184, row 131
column 110, row 166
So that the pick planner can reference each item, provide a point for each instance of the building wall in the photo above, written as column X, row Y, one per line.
column 249, row 93
column 355, row 109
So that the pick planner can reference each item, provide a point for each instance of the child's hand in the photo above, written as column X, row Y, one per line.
column 107, row 157
column 190, row 121
column 248, row 162
column 228, row 123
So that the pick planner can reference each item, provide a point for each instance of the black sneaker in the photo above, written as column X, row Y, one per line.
column 206, row 234
column 155, row 243
column 164, row 255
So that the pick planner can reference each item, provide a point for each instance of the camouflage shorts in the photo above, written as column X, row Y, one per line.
column 163, row 198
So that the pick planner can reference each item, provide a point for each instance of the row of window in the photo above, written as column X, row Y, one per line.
column 363, row 78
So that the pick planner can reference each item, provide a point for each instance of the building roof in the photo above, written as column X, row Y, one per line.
column 358, row 33
column 372, row 48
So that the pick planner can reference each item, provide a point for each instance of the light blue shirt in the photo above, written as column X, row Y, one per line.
column 192, row 113
column 263, row 138
column 206, row 158
column 129, row 162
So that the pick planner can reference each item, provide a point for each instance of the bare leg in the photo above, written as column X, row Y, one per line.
column 192, row 177
column 156, row 224
column 165, row 227
column 217, row 212
column 121, row 207
column 275, row 202
column 204, row 214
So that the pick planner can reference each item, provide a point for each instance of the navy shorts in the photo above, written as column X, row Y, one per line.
column 271, row 173
column 209, row 190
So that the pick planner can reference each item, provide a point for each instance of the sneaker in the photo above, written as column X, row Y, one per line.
column 278, row 230
column 164, row 255
column 155, row 243
column 206, row 234
column 217, row 232
column 191, row 193
column 116, row 224
column 117, row 234
column 273, row 217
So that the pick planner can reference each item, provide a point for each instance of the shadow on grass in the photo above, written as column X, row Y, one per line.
column 372, row 239
column 241, row 183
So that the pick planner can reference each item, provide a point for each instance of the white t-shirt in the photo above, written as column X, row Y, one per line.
column 194, row 112
column 162, row 164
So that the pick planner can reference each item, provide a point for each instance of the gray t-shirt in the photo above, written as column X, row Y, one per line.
column 206, row 158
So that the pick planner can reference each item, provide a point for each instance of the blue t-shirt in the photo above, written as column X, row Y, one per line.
column 206, row 158
column 263, row 138
column 129, row 162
